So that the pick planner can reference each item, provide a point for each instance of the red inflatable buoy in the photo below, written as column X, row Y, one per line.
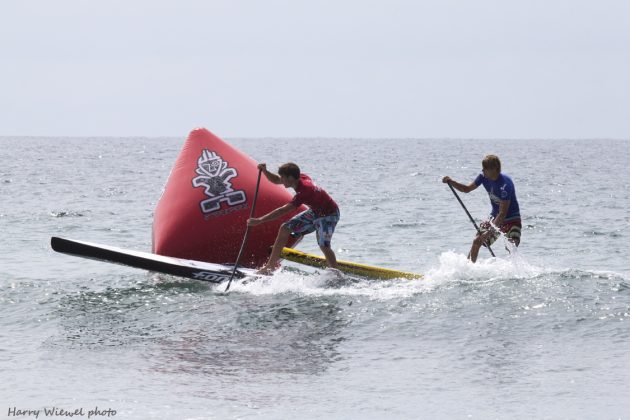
column 202, row 214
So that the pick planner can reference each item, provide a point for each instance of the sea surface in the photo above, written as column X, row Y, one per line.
column 542, row 333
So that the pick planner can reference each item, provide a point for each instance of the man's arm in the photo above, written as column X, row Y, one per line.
column 460, row 187
column 270, row 175
column 504, row 205
column 280, row 211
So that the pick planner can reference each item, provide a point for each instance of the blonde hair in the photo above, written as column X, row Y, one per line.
column 491, row 162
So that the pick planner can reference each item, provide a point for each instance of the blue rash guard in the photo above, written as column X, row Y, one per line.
column 500, row 190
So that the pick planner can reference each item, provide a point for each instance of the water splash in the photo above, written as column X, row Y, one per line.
column 456, row 267
column 328, row 283
column 452, row 268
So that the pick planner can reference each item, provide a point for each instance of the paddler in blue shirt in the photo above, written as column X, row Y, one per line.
column 505, row 216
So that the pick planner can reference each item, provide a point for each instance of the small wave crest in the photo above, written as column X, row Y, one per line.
column 63, row 213
column 330, row 283
column 452, row 268
column 456, row 267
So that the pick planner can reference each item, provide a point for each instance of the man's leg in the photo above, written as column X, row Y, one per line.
column 325, row 227
column 300, row 224
column 514, row 234
column 331, row 258
column 281, row 241
column 477, row 244
column 474, row 250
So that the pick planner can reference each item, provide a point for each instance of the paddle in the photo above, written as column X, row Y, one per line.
column 469, row 216
column 251, row 214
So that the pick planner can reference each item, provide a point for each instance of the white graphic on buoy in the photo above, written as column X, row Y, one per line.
column 215, row 175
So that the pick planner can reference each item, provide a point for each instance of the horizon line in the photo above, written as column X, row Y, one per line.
column 267, row 137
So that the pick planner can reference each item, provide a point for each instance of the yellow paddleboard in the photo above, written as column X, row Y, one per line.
column 347, row 267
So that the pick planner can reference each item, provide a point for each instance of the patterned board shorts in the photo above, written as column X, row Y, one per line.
column 511, row 230
column 307, row 222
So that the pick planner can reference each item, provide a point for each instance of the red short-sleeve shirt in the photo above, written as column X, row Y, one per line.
column 314, row 197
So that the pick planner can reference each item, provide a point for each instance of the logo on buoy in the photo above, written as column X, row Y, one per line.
column 214, row 175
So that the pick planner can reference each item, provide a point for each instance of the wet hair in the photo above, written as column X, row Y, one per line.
column 289, row 169
column 491, row 162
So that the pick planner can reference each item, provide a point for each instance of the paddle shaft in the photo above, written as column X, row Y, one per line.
column 251, row 214
column 469, row 216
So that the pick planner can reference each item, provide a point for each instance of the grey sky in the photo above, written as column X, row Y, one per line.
column 353, row 68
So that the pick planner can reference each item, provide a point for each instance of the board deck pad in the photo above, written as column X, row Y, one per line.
column 348, row 267
column 198, row 270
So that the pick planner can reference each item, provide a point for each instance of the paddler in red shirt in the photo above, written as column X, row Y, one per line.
column 321, row 217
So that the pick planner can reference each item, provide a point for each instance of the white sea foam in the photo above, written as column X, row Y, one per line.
column 452, row 267
column 456, row 267
column 325, row 283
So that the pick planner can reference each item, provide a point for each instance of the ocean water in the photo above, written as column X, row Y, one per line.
column 543, row 333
